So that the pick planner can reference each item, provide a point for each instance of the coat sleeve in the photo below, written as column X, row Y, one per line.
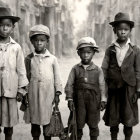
column 102, row 86
column 21, row 71
column 57, row 76
column 137, row 69
column 105, row 64
column 69, row 88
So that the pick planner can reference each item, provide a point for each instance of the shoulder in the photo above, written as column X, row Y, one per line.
column 29, row 56
column 76, row 66
column 135, row 47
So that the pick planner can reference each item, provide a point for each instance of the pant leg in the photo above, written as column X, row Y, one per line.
column 114, row 132
column 35, row 131
column 8, row 131
column 127, row 132
column 79, row 134
column 45, row 136
column 94, row 133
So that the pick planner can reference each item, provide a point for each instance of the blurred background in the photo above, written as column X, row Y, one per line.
column 69, row 20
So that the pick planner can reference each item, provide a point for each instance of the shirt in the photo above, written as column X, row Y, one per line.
column 121, row 51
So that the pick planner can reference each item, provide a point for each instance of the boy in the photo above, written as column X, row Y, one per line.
column 86, row 89
column 12, row 73
column 121, row 68
column 44, row 82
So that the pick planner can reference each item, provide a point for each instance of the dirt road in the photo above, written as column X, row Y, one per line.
column 22, row 130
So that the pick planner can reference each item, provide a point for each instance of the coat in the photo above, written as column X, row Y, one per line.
column 44, row 82
column 124, row 80
column 87, row 88
column 12, row 68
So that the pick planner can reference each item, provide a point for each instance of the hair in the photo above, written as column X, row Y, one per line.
column 117, row 24
column 32, row 38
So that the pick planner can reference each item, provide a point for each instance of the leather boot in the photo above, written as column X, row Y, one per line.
column 127, row 138
column 47, row 138
column 93, row 138
column 35, row 138
column 8, row 137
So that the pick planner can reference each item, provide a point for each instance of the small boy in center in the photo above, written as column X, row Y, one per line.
column 85, row 89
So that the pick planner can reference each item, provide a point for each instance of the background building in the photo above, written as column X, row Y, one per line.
column 53, row 13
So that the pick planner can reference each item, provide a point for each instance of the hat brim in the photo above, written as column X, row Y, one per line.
column 39, row 33
column 114, row 23
column 86, row 45
column 14, row 18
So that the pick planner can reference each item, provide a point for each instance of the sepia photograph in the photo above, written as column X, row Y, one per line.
column 69, row 69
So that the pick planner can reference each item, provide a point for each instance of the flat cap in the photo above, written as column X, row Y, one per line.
column 39, row 29
column 87, row 42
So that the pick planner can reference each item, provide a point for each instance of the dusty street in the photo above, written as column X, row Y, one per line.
column 22, row 130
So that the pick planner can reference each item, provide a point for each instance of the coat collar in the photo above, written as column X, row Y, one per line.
column 130, row 50
column 90, row 67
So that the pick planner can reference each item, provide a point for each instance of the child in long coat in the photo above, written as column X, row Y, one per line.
column 85, row 89
column 121, row 68
column 44, row 81
column 13, row 78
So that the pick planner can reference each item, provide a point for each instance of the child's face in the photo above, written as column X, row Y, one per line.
column 40, row 43
column 86, row 55
column 6, row 27
column 123, row 31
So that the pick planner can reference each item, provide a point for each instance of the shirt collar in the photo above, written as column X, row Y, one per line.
column 117, row 45
column 46, row 54
column 90, row 67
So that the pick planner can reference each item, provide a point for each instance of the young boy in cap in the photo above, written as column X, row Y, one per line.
column 121, row 69
column 44, row 81
column 85, row 89
column 13, row 78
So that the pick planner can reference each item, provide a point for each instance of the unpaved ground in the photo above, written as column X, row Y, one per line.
column 22, row 130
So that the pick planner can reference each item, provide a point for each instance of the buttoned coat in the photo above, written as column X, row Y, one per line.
column 44, row 76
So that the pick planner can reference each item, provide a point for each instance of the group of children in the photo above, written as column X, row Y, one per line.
column 114, row 87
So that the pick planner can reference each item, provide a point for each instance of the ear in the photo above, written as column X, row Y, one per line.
column 78, row 52
column 114, row 29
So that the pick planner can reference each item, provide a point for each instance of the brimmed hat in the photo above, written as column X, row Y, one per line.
column 87, row 42
column 122, row 17
column 39, row 29
column 5, row 13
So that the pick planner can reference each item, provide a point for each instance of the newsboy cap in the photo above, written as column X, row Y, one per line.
column 87, row 42
column 39, row 29
column 122, row 17
column 6, row 13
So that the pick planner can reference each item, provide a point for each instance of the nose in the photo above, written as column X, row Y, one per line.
column 5, row 27
column 123, row 31
column 39, row 42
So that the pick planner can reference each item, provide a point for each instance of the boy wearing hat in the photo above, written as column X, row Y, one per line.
column 13, row 78
column 122, row 74
column 85, row 89
column 44, row 82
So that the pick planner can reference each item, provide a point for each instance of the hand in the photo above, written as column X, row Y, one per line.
column 56, row 100
column 70, row 105
column 19, row 97
column 135, row 97
column 25, row 103
column 103, row 105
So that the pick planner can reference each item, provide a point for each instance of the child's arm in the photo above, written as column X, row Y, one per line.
column 102, row 86
column 137, row 73
column 105, row 64
column 69, row 89
column 57, row 77
column 21, row 71
column 137, row 69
